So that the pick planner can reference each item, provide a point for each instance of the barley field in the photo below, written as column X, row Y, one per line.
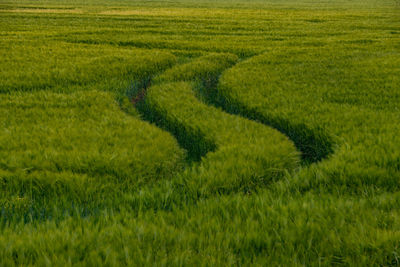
column 199, row 133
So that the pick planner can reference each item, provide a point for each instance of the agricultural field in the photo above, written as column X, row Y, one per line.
column 200, row 133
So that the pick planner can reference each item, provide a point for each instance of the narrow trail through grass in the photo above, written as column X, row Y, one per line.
column 292, row 151
column 314, row 143
column 345, row 113
column 236, row 154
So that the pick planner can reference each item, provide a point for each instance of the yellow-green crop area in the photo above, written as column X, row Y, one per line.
column 200, row 133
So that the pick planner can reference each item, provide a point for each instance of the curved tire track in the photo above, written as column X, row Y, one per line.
column 236, row 154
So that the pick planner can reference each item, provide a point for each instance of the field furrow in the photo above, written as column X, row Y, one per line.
column 199, row 133
column 236, row 154
column 356, row 119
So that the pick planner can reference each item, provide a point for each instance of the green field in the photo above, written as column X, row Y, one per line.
column 200, row 133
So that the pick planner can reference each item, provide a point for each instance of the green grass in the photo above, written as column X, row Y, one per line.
column 237, row 154
column 361, row 89
column 79, row 147
column 68, row 67
column 199, row 133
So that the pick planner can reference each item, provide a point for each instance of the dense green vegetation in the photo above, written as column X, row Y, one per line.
column 241, row 154
column 199, row 133
column 82, row 144
column 367, row 134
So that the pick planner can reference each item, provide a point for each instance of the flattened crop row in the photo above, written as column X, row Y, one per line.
column 346, row 113
column 242, row 154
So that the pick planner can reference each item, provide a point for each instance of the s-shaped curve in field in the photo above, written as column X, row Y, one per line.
column 236, row 154
column 339, row 101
